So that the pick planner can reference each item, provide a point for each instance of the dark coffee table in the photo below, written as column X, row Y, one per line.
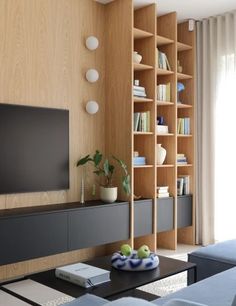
column 122, row 283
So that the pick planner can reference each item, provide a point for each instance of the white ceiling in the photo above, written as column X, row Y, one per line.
column 188, row 9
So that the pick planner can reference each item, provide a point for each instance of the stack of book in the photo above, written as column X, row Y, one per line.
column 162, row 191
column 162, row 60
column 139, row 161
column 183, row 184
column 139, row 91
column 142, row 122
column 163, row 92
column 183, row 126
column 181, row 159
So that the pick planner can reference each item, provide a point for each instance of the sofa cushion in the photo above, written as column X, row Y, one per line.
column 217, row 258
column 87, row 300
column 218, row 290
column 181, row 302
column 129, row 301
column 222, row 251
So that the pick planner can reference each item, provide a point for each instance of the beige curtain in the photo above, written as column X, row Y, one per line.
column 216, row 51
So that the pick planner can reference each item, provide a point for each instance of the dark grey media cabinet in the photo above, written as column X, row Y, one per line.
column 33, row 232
column 27, row 233
column 143, row 211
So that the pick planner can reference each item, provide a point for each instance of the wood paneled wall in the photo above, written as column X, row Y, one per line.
column 43, row 61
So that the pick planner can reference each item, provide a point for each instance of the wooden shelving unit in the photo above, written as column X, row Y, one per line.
column 143, row 31
column 185, row 143
column 144, row 180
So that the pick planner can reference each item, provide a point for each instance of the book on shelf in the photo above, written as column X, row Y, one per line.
column 181, row 159
column 163, row 195
column 139, row 161
column 162, row 60
column 163, row 191
column 139, row 91
column 141, row 121
column 83, row 275
column 183, row 126
column 183, row 184
column 163, row 92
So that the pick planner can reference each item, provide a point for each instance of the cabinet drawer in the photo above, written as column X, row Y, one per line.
column 142, row 218
column 165, row 214
column 29, row 237
column 184, row 211
column 98, row 225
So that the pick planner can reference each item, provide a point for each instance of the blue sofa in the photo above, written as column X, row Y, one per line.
column 218, row 290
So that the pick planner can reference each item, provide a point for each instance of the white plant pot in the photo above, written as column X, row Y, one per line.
column 161, row 154
column 108, row 194
column 137, row 57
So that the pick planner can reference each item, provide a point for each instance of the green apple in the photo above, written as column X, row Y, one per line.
column 143, row 252
column 126, row 249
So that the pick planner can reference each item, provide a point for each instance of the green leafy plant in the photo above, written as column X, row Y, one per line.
column 106, row 169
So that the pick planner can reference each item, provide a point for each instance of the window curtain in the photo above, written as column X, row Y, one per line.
column 216, row 128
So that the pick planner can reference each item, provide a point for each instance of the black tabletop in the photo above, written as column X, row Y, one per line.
column 121, row 281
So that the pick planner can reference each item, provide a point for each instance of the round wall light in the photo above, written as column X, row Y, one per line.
column 92, row 75
column 92, row 43
column 92, row 107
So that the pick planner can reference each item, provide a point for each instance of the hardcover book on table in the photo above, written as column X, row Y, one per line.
column 83, row 275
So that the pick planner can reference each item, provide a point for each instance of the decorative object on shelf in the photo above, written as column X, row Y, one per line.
column 179, row 67
column 136, row 197
column 132, row 260
column 92, row 75
column 160, row 120
column 180, row 87
column 92, row 107
column 162, row 129
column 161, row 154
column 92, row 43
column 137, row 58
column 82, row 187
column 136, row 82
column 105, row 169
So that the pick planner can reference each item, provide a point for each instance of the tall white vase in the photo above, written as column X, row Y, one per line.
column 161, row 154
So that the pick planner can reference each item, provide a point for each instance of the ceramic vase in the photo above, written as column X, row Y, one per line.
column 108, row 194
column 137, row 57
column 161, row 154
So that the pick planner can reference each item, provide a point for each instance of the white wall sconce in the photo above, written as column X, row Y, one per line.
column 92, row 43
column 92, row 75
column 92, row 107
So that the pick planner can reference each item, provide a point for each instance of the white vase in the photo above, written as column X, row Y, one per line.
column 161, row 154
column 108, row 194
column 137, row 57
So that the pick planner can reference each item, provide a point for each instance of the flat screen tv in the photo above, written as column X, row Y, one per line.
column 34, row 149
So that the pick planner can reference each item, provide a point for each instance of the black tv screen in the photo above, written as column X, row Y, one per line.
column 34, row 150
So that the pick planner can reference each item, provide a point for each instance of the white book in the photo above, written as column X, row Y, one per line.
column 83, row 275
column 163, row 195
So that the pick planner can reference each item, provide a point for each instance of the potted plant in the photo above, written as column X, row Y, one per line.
column 105, row 169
